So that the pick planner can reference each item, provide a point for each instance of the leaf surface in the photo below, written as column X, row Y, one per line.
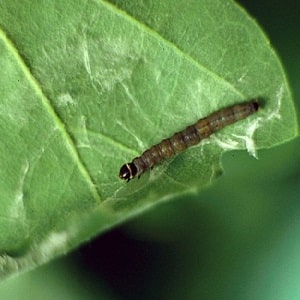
column 88, row 85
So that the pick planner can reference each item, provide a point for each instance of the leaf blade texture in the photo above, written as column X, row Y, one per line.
column 90, row 85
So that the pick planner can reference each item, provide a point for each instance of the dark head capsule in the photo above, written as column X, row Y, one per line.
column 128, row 171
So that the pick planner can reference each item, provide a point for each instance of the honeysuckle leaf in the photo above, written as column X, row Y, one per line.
column 88, row 85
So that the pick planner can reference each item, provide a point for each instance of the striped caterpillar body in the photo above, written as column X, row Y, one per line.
column 188, row 137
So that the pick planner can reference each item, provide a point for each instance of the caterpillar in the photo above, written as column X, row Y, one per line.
column 186, row 138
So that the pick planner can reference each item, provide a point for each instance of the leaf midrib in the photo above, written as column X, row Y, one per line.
column 56, row 119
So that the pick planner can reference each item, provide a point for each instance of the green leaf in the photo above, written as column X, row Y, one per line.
column 87, row 86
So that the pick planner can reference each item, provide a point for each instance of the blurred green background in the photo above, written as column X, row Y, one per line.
column 239, row 239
